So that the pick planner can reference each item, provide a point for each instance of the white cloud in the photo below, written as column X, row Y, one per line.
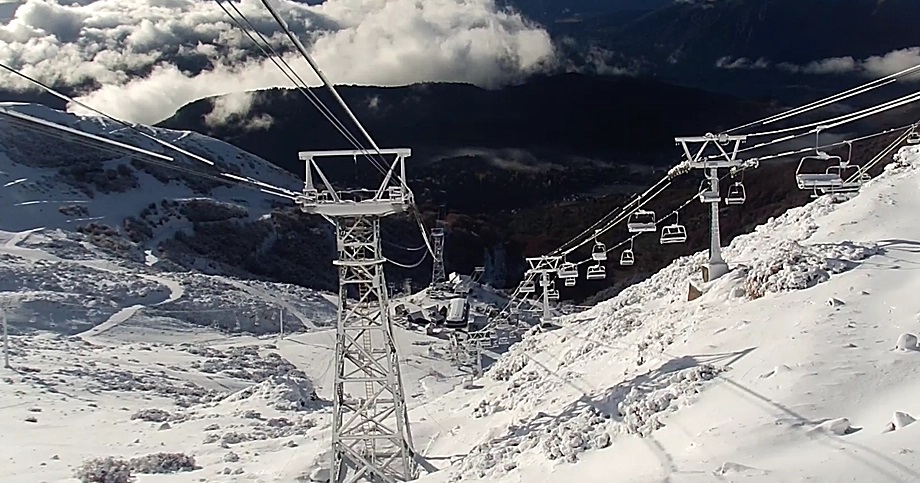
column 875, row 66
column 371, row 42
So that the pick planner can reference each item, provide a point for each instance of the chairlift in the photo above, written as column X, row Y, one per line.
column 913, row 137
column 528, row 286
column 570, row 282
column 736, row 194
column 552, row 294
column 568, row 270
column 599, row 252
column 828, row 180
column 675, row 233
column 597, row 272
column 627, row 258
column 642, row 221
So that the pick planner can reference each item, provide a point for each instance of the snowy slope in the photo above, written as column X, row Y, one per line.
column 151, row 213
column 748, row 382
column 38, row 160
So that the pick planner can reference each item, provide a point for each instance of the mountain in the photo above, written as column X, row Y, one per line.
column 175, row 220
column 599, row 125
column 797, row 365
column 551, row 11
column 697, row 43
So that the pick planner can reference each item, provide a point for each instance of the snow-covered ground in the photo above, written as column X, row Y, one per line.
column 786, row 369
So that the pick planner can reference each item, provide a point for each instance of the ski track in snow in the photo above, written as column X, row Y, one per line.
column 176, row 290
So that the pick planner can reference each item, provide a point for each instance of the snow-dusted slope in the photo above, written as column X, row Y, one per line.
column 149, row 213
column 110, row 188
column 749, row 382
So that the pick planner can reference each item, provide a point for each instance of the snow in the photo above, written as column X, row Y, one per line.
column 759, row 379
column 800, row 364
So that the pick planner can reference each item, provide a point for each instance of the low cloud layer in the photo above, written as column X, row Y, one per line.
column 130, row 50
column 875, row 66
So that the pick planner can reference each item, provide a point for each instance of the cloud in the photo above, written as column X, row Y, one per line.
column 741, row 63
column 875, row 66
column 143, row 59
column 233, row 108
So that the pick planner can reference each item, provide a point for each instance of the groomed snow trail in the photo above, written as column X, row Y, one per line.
column 176, row 290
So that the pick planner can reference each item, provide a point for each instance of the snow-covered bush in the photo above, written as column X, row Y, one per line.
column 152, row 415
column 163, row 463
column 104, row 470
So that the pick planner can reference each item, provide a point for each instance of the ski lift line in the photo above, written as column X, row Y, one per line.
column 415, row 265
column 836, row 122
column 97, row 142
column 623, row 215
column 29, row 119
column 303, row 52
column 401, row 247
column 864, row 169
column 270, row 53
column 675, row 212
column 829, row 102
column 24, row 120
column 259, row 184
column 831, row 99
column 831, row 145
column 605, row 217
column 107, row 116
column 326, row 83
column 846, row 118
column 903, row 101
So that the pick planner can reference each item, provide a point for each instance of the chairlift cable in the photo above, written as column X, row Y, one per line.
column 831, row 99
column 107, row 116
column 303, row 52
column 278, row 60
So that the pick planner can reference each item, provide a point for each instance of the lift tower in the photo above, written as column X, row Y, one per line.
column 371, row 440
column 438, row 274
column 725, row 157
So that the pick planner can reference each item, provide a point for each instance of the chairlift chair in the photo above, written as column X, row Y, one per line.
column 642, row 221
column 568, row 270
column 528, row 286
column 552, row 294
column 675, row 233
column 914, row 137
column 828, row 180
column 570, row 282
column 627, row 258
column 736, row 194
column 599, row 253
column 597, row 272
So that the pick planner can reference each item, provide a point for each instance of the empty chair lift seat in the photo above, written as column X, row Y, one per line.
column 808, row 181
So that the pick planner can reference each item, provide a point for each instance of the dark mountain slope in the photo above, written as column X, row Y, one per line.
column 621, row 119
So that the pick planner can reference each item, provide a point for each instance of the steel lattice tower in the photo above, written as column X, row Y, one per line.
column 371, row 440
column 438, row 273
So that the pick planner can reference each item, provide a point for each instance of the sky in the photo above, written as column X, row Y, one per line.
column 124, row 51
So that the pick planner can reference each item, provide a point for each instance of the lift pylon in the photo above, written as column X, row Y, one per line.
column 371, row 440
column 701, row 155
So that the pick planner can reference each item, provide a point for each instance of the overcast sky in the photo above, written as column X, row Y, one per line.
column 378, row 42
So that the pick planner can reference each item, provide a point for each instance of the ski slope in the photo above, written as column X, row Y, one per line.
column 787, row 369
